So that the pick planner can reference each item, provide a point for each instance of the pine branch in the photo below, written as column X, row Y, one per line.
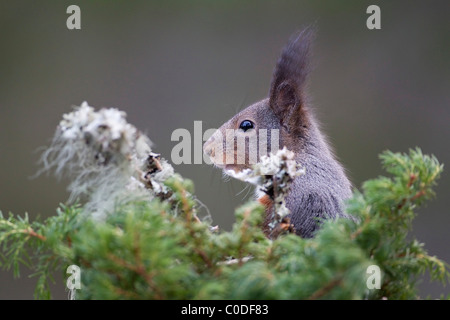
column 146, row 240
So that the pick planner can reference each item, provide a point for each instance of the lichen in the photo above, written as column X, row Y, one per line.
column 108, row 160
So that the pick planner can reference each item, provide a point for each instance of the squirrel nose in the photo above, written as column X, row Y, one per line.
column 208, row 147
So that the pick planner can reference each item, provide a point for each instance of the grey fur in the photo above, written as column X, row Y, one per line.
column 318, row 194
column 321, row 192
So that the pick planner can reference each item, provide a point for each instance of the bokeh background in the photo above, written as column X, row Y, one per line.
column 170, row 63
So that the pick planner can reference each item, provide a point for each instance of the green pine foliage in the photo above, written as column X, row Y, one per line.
column 42, row 247
column 160, row 249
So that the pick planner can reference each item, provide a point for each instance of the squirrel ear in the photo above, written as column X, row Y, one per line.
column 289, row 77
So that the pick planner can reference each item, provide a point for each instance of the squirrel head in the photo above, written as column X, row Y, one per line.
column 280, row 120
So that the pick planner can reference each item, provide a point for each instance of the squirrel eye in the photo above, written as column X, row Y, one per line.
column 246, row 125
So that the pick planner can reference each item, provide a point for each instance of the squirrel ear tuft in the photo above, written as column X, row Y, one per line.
column 289, row 77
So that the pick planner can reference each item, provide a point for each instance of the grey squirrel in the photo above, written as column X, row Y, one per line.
column 318, row 194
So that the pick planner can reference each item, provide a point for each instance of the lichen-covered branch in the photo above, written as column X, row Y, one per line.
column 137, row 234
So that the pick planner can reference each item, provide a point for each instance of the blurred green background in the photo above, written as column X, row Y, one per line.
column 170, row 63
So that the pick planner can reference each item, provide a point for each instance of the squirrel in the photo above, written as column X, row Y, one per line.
column 319, row 193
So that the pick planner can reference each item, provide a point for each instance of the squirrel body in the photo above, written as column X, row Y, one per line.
column 320, row 192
